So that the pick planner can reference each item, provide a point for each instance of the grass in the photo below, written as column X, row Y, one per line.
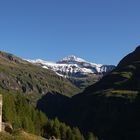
column 127, row 75
column 20, row 136
column 129, row 94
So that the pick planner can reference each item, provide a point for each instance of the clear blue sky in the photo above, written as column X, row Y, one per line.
column 102, row 31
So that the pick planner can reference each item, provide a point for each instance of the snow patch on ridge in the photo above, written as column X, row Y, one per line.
column 73, row 66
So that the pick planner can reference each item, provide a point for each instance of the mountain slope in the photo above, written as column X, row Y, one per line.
column 21, row 76
column 110, row 107
column 124, row 77
column 77, row 70
column 112, row 104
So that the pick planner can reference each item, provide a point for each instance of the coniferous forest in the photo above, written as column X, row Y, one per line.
column 23, row 116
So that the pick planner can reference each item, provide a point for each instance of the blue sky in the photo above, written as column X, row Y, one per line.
column 101, row 31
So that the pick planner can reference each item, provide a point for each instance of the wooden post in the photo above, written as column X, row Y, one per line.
column 0, row 113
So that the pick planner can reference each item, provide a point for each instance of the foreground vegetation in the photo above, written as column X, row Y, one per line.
column 21, row 135
column 23, row 116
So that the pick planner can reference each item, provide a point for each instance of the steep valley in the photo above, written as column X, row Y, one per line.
column 110, row 107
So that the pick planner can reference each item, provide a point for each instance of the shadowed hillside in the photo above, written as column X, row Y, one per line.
column 111, row 107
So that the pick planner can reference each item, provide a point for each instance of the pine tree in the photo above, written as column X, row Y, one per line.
column 91, row 136
column 9, row 109
column 69, row 134
column 56, row 130
column 63, row 130
column 77, row 134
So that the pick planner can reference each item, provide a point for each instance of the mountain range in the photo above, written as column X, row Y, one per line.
column 79, row 71
column 110, row 108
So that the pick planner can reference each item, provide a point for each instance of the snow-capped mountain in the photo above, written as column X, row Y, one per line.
column 72, row 66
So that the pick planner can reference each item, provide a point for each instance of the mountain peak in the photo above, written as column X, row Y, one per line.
column 138, row 48
column 72, row 58
column 131, row 58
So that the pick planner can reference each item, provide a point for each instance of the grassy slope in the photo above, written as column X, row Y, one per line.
column 125, row 79
column 111, row 106
column 20, row 136
column 86, row 81
column 21, row 76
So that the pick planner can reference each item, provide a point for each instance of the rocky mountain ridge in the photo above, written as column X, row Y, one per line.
column 72, row 66
column 79, row 71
